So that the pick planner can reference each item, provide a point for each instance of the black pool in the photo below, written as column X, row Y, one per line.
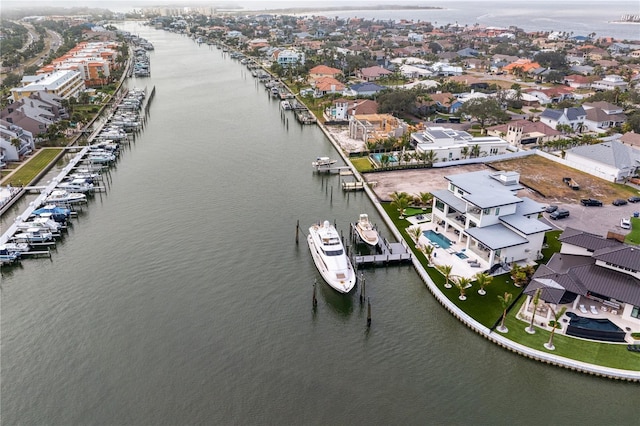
column 594, row 328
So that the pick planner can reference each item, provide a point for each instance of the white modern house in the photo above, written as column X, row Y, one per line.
column 490, row 220
column 449, row 144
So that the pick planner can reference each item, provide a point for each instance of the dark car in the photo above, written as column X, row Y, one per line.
column 551, row 209
column 634, row 199
column 559, row 214
column 591, row 202
column 619, row 202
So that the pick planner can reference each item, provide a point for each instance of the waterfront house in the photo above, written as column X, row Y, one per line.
column 341, row 109
column 489, row 219
column 592, row 271
column 373, row 127
column 326, row 85
column 449, row 144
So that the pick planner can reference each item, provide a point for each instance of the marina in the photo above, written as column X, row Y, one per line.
column 62, row 196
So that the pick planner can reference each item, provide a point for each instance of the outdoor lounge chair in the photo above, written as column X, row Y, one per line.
column 583, row 309
column 594, row 310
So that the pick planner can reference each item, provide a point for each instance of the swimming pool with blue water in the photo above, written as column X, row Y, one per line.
column 437, row 238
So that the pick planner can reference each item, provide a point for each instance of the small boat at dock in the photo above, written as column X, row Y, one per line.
column 366, row 231
column 323, row 162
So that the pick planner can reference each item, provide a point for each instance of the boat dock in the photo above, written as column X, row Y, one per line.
column 386, row 252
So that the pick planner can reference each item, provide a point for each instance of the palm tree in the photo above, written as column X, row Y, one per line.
column 446, row 271
column 428, row 252
column 430, row 158
column 475, row 151
column 483, row 280
column 425, row 199
column 415, row 233
column 400, row 200
column 536, row 300
column 554, row 325
column 518, row 275
column 464, row 152
column 505, row 301
column 462, row 283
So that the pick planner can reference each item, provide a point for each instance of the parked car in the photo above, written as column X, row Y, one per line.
column 551, row 209
column 619, row 202
column 625, row 223
column 634, row 199
column 559, row 214
column 591, row 202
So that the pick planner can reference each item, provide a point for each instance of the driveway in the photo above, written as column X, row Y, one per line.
column 596, row 220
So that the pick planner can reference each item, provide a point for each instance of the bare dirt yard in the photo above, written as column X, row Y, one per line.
column 545, row 177
column 415, row 181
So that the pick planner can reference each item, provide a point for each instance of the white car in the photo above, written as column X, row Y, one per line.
column 625, row 223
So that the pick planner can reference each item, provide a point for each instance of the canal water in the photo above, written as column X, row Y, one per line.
column 181, row 297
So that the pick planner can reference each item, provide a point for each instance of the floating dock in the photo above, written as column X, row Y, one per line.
column 386, row 253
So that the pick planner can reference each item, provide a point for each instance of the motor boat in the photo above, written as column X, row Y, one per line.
column 59, row 214
column 65, row 197
column 330, row 257
column 33, row 235
column 366, row 231
column 8, row 256
column 323, row 162
column 77, row 185
column 43, row 223
column 16, row 247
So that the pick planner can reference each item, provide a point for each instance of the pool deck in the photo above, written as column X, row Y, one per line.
column 447, row 256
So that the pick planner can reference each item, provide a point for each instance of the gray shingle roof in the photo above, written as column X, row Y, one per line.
column 586, row 240
column 496, row 236
column 612, row 153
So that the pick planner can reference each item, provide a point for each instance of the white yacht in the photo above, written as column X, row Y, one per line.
column 77, row 185
column 366, row 231
column 330, row 258
column 65, row 197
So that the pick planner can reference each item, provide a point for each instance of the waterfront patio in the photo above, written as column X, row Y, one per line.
column 465, row 263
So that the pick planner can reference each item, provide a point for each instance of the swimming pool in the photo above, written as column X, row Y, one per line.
column 378, row 156
column 594, row 329
column 437, row 238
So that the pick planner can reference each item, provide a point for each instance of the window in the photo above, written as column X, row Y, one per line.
column 486, row 211
column 635, row 312
column 497, row 211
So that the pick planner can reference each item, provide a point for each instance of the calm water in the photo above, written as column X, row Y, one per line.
column 180, row 296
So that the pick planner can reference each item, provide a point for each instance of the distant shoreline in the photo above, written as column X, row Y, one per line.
column 298, row 10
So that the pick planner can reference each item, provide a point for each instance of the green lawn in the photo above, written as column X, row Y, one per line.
column 487, row 310
column 32, row 167
column 633, row 237
column 604, row 354
column 362, row 164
